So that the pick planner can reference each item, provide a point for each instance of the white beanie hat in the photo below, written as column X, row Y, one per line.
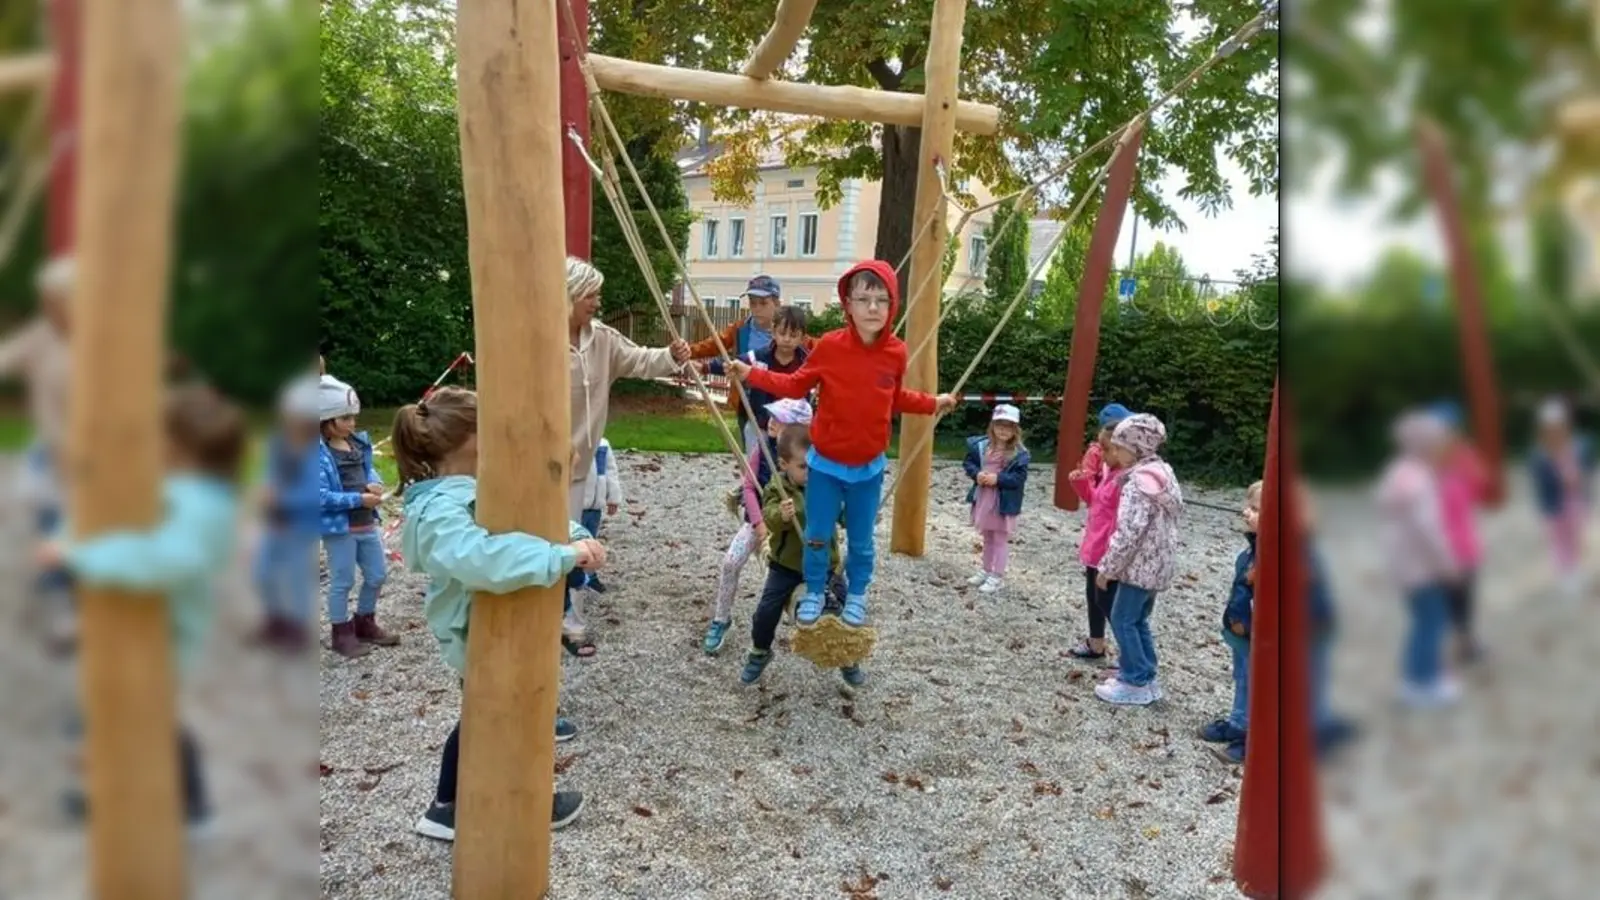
column 1005, row 412
column 301, row 399
column 335, row 399
column 1553, row 413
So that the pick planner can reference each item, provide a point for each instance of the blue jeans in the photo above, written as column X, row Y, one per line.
column 286, row 573
column 825, row 496
column 1239, row 716
column 1130, row 624
column 1420, row 662
column 345, row 553
column 1321, row 709
column 590, row 520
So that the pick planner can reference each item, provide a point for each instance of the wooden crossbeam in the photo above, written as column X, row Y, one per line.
column 25, row 72
column 1581, row 116
column 788, row 23
column 826, row 101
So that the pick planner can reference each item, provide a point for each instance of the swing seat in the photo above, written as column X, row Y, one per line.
column 832, row 644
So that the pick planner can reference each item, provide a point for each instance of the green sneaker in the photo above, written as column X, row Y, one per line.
column 716, row 633
column 755, row 662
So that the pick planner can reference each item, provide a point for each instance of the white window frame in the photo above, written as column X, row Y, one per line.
column 772, row 235
column 978, row 254
column 736, row 237
column 805, row 302
column 709, row 238
column 816, row 233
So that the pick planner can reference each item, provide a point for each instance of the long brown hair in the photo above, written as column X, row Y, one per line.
column 431, row 429
column 1014, row 449
column 210, row 429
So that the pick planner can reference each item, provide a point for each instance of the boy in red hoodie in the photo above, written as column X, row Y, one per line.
column 861, row 368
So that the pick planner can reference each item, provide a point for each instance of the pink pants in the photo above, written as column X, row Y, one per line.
column 1566, row 536
column 996, row 550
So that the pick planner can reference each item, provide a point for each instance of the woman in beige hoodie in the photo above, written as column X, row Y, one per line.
column 599, row 355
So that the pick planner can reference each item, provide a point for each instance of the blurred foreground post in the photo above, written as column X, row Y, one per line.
column 1086, row 322
column 66, row 35
column 511, row 149
column 1477, row 357
column 1277, row 851
column 131, row 107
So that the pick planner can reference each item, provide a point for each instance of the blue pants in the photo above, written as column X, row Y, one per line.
column 1321, row 709
column 1421, row 661
column 825, row 497
column 590, row 520
column 286, row 574
column 1239, row 716
column 346, row 552
column 1130, row 623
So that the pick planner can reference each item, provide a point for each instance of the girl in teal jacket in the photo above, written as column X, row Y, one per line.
column 436, row 449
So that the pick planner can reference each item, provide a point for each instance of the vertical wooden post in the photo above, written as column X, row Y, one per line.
column 65, row 36
column 1277, row 849
column 511, row 151
column 132, row 90
column 576, row 180
column 1086, row 321
column 1477, row 359
column 943, row 68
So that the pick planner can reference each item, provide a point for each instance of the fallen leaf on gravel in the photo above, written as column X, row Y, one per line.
column 643, row 811
column 1016, row 724
column 1015, row 644
column 912, row 781
column 1134, row 804
column 1153, row 784
column 1151, row 832
column 738, row 774
column 368, row 785
column 945, row 682
column 801, row 770
column 613, row 621
column 324, row 770
column 891, row 777
column 360, row 694
column 794, row 851
column 864, row 887
column 563, row 763
column 1028, row 768
column 380, row 869
column 1104, row 812
column 1040, row 788
column 943, row 883
column 379, row 770
column 1221, row 796
column 762, row 805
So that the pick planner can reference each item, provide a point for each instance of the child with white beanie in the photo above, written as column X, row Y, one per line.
column 351, row 491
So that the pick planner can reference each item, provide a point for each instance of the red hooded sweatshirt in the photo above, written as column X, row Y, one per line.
column 861, row 383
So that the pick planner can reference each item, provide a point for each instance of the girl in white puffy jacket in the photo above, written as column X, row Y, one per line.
column 602, row 496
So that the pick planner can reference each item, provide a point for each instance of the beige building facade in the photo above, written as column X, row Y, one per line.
column 783, row 232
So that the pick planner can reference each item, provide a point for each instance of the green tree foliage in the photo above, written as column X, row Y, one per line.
column 1006, row 269
column 1058, row 302
column 396, row 289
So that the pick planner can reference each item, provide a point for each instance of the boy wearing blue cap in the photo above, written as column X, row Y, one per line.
column 752, row 335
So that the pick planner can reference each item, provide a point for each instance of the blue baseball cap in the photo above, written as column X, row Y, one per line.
column 1112, row 413
column 763, row 286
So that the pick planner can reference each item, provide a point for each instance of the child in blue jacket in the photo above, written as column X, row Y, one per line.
column 997, row 463
column 285, row 566
column 181, row 557
column 436, row 448
column 1230, row 732
column 351, row 491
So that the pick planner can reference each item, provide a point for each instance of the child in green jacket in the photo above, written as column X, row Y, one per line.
column 786, row 526
column 436, row 449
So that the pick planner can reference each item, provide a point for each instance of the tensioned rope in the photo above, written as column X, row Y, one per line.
column 26, row 176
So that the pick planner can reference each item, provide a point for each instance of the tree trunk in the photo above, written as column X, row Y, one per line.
column 897, row 203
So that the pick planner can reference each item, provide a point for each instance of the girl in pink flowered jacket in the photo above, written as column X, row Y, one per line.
column 1142, row 555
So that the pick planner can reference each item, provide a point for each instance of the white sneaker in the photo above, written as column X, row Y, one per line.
column 1121, row 693
column 1155, row 690
column 991, row 585
column 978, row 579
column 1438, row 695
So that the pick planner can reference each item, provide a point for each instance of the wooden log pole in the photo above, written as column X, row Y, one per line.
column 910, row 528
column 25, row 72
column 826, row 101
column 1472, row 321
column 65, row 38
column 132, row 94
column 1086, row 321
column 1278, row 847
column 576, row 180
column 511, row 152
column 788, row 23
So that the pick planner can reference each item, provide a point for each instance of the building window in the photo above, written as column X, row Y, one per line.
column 797, row 182
column 733, row 302
column 808, row 234
column 736, row 238
column 804, row 303
column 711, row 238
column 980, row 254
column 780, row 235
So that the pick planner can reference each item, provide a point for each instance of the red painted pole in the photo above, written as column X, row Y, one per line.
column 65, row 39
column 1086, row 323
column 1278, row 850
column 576, row 179
column 1477, row 360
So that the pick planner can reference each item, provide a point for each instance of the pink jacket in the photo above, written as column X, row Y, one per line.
column 1103, row 494
column 1463, row 484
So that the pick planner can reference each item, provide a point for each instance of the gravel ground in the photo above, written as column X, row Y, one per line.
column 976, row 761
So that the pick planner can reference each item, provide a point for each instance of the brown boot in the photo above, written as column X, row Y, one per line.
column 368, row 631
column 346, row 644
